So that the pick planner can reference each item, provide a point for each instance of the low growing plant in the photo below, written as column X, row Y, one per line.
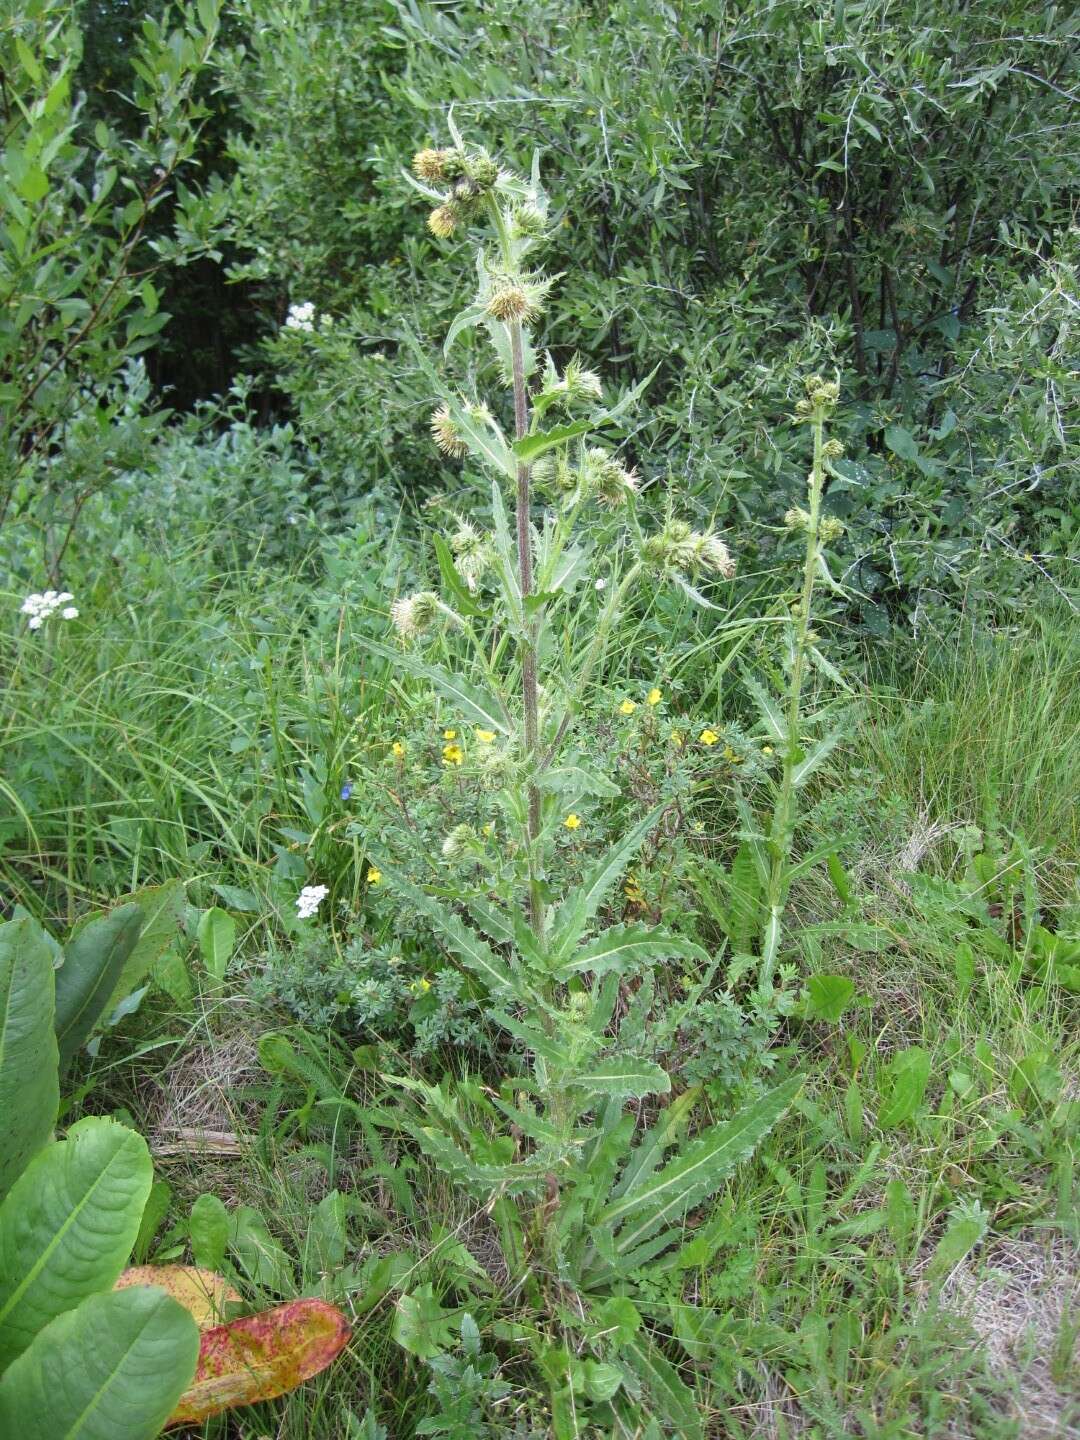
column 87, row 1350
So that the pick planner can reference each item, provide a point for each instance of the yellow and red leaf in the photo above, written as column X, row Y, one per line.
column 260, row 1357
column 206, row 1295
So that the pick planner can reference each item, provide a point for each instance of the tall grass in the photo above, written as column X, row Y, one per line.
column 986, row 730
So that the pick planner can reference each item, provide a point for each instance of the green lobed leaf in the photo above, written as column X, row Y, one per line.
column 456, row 935
column 68, row 1225
column 111, row 1369
column 29, row 1088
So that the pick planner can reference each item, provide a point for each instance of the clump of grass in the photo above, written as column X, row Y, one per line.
column 983, row 730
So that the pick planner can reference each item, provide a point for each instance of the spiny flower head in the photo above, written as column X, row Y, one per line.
column 830, row 528
column 511, row 302
column 430, row 165
column 580, row 383
column 458, row 842
column 527, row 221
column 678, row 547
column 472, row 553
column 820, row 395
column 410, row 615
column 446, row 434
column 444, row 220
column 603, row 477
column 797, row 518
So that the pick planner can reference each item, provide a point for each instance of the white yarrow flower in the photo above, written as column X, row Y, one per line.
column 309, row 900
column 41, row 607
column 301, row 317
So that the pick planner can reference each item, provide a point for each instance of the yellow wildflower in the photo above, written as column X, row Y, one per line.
column 374, row 875
column 766, row 750
column 488, row 829
column 398, row 749
column 485, row 736
column 449, row 734
column 627, row 707
column 708, row 737
column 421, row 986
column 572, row 821
column 676, row 738
column 654, row 696
column 453, row 754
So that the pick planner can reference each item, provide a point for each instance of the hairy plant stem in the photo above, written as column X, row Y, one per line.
column 528, row 644
column 783, row 822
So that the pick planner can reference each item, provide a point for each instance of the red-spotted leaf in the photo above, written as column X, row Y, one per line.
column 207, row 1297
column 261, row 1357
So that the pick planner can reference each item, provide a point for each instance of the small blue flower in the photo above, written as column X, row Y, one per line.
column 346, row 790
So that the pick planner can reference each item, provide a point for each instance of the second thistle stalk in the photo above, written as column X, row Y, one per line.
column 821, row 397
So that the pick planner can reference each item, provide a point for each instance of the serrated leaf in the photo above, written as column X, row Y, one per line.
column 623, row 1077
column 530, row 447
column 464, row 320
column 770, row 714
column 625, row 947
column 68, row 1225
column 261, row 1357
column 699, row 1171
column 29, row 1088
column 573, row 916
column 474, row 952
column 475, row 704
column 815, row 757
column 485, row 439
column 111, row 1368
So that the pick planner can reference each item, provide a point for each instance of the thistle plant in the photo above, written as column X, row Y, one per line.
column 579, row 1193
column 813, row 410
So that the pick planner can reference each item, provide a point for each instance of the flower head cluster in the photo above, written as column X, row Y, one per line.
column 678, row 547
column 821, row 395
column 309, row 900
column 42, row 607
column 301, row 317
column 468, row 177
